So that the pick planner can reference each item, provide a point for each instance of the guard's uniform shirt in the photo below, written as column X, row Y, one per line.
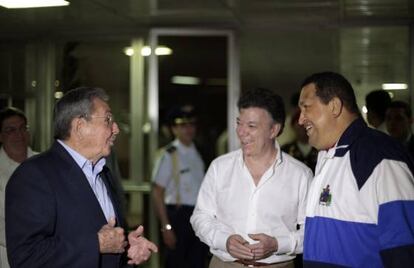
column 360, row 211
column 180, row 172
column 190, row 171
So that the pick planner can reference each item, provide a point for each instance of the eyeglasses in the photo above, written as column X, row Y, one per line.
column 109, row 119
column 14, row 130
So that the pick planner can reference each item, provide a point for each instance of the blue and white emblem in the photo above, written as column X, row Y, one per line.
column 325, row 197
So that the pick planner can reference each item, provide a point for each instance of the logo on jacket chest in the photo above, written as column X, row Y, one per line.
column 326, row 197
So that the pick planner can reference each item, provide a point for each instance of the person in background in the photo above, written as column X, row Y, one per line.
column 398, row 119
column 252, row 199
column 15, row 141
column 360, row 210
column 61, row 208
column 177, row 177
column 377, row 102
column 288, row 135
column 299, row 148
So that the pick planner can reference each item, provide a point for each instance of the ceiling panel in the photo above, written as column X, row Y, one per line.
column 371, row 48
column 237, row 13
column 371, row 56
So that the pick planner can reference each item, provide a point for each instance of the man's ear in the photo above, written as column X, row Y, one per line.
column 275, row 130
column 77, row 127
column 336, row 106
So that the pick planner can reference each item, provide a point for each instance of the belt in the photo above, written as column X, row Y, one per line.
column 252, row 263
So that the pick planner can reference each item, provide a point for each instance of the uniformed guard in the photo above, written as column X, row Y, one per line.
column 177, row 178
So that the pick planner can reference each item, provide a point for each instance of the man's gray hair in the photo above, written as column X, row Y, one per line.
column 75, row 103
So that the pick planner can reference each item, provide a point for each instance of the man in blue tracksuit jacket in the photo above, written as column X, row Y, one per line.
column 360, row 211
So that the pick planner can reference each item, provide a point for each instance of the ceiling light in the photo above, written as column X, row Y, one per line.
column 394, row 86
column 129, row 51
column 32, row 3
column 146, row 51
column 58, row 95
column 161, row 51
column 185, row 80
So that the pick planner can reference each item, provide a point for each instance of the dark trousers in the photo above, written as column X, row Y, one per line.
column 189, row 252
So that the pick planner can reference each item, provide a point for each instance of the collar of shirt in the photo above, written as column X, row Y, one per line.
column 353, row 131
column 5, row 159
column 271, row 169
column 90, row 170
column 183, row 148
column 7, row 163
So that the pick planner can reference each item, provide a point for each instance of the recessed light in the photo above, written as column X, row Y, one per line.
column 32, row 3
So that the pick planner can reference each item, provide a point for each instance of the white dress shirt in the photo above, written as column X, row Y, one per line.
column 191, row 169
column 230, row 203
column 7, row 167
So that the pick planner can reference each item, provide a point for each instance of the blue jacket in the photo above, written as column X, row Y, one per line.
column 361, row 203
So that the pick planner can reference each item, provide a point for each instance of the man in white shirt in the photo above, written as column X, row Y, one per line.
column 251, row 205
column 15, row 140
column 176, row 181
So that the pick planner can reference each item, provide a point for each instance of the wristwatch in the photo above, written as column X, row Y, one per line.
column 166, row 227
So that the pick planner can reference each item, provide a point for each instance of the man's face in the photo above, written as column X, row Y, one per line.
column 316, row 118
column 256, row 131
column 14, row 134
column 99, row 132
column 185, row 133
column 398, row 123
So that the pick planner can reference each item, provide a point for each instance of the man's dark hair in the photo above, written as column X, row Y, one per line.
column 403, row 105
column 329, row 85
column 267, row 100
column 9, row 112
column 75, row 103
column 377, row 101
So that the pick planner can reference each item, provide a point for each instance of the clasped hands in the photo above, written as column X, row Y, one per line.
column 241, row 249
column 112, row 240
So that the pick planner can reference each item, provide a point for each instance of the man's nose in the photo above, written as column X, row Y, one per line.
column 301, row 119
column 241, row 130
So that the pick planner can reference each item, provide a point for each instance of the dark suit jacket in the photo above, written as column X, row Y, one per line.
column 53, row 216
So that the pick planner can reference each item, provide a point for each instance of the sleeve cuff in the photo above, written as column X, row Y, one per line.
column 220, row 241
column 284, row 245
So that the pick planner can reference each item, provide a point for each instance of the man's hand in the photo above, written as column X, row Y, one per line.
column 238, row 247
column 111, row 238
column 266, row 246
column 169, row 238
column 140, row 248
